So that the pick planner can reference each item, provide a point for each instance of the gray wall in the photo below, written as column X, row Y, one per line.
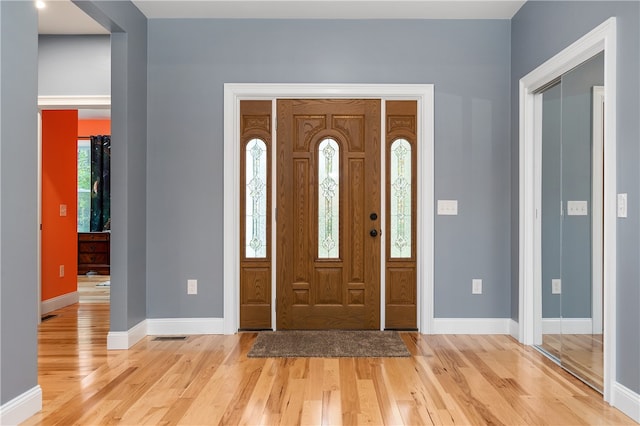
column 539, row 31
column 74, row 65
column 18, row 185
column 190, row 60
column 129, row 158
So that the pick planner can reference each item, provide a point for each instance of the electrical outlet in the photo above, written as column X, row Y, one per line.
column 556, row 286
column 476, row 286
column 192, row 286
column 63, row 209
column 61, row 272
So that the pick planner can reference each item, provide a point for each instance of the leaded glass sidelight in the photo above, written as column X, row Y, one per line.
column 328, row 199
column 400, row 199
column 256, row 199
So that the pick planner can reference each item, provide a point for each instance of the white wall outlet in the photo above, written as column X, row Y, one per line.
column 476, row 286
column 577, row 208
column 447, row 207
column 61, row 271
column 556, row 286
column 192, row 286
column 63, row 209
column 622, row 205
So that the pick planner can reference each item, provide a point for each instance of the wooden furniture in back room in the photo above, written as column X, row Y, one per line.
column 94, row 253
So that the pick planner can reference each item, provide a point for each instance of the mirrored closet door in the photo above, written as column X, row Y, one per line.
column 571, row 237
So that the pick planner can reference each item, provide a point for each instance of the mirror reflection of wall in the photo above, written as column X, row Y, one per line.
column 571, row 183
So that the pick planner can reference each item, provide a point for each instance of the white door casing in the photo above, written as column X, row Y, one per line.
column 234, row 93
column 601, row 38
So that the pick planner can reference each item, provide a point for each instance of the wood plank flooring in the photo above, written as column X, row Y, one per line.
column 208, row 379
column 581, row 353
column 90, row 290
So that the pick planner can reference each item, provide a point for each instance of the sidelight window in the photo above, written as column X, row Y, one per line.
column 328, row 199
column 401, row 199
column 256, row 199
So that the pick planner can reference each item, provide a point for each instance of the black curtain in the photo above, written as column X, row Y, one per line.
column 100, row 183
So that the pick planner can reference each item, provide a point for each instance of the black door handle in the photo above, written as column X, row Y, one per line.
column 373, row 233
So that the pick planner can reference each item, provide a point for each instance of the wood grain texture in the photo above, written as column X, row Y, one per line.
column 255, row 273
column 401, row 273
column 582, row 354
column 208, row 380
column 341, row 292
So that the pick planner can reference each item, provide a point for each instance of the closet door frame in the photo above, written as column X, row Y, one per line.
column 600, row 39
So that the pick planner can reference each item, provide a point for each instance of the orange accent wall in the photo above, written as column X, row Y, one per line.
column 94, row 127
column 59, row 186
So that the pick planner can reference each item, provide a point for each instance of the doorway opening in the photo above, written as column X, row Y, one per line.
column 601, row 39
column 423, row 97
column 68, row 108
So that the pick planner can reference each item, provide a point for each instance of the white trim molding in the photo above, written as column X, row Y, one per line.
column 472, row 326
column 74, row 102
column 21, row 407
column 184, row 326
column 567, row 326
column 234, row 93
column 602, row 38
column 125, row 339
column 59, row 302
column 514, row 329
column 626, row 400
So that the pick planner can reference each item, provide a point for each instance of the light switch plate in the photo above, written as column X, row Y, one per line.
column 447, row 207
column 622, row 205
column 577, row 208
column 192, row 286
column 556, row 286
column 63, row 209
column 476, row 286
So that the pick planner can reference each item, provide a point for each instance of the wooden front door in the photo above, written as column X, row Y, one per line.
column 328, row 214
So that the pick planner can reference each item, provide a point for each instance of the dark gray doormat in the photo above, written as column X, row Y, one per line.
column 328, row 344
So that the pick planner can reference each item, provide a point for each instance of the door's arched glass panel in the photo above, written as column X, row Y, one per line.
column 256, row 199
column 401, row 199
column 328, row 199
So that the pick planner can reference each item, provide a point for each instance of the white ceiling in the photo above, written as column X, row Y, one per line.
column 63, row 17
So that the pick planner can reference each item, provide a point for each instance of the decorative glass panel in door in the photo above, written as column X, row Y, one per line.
column 328, row 199
column 256, row 199
column 400, row 199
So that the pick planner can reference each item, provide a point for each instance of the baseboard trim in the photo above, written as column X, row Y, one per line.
column 58, row 302
column 514, row 329
column 184, row 326
column 21, row 407
column 626, row 400
column 472, row 325
column 567, row 326
column 125, row 339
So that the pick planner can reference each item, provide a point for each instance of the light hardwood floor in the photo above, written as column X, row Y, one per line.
column 582, row 354
column 208, row 379
column 91, row 290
